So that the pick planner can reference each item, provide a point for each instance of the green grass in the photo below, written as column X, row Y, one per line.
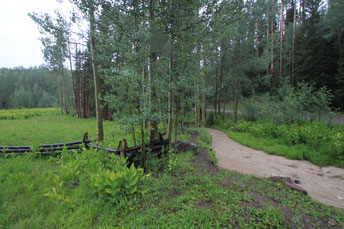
column 183, row 197
column 28, row 113
column 51, row 127
column 180, row 193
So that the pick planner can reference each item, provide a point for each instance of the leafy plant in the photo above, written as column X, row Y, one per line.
column 172, row 163
column 121, row 184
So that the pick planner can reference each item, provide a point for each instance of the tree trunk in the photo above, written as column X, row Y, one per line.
column 293, row 48
column 281, row 42
column 236, row 101
column 81, row 95
column 236, row 98
column 154, row 133
column 59, row 91
column 267, row 46
column 97, row 84
column 204, row 109
column 224, row 105
column 197, row 107
column 64, row 92
column 143, row 146
column 340, row 47
column 134, row 135
column 72, row 79
column 302, row 5
column 216, row 89
column 170, row 97
column 221, row 78
column 257, row 39
column 176, row 123
column 272, row 48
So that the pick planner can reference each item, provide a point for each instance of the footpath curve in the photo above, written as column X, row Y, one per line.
column 325, row 185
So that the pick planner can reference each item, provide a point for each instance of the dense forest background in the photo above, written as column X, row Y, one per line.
column 152, row 61
column 29, row 88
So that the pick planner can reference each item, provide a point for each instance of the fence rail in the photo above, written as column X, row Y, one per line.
column 155, row 148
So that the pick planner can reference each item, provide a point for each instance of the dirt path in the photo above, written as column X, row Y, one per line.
column 326, row 185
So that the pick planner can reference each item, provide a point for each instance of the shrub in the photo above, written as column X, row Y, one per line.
column 336, row 144
column 291, row 135
column 250, row 110
column 243, row 126
column 289, row 105
column 118, row 185
column 108, row 177
column 314, row 133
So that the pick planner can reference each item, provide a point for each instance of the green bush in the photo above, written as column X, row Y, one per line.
column 243, row 126
column 336, row 144
column 210, row 121
column 118, row 185
column 291, row 135
column 289, row 105
column 108, row 177
column 250, row 110
column 314, row 133
column 326, row 141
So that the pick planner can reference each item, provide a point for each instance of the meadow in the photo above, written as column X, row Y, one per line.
column 180, row 190
column 47, row 125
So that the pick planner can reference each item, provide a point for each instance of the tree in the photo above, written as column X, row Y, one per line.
column 55, row 33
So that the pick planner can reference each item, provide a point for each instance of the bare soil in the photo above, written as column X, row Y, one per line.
column 325, row 185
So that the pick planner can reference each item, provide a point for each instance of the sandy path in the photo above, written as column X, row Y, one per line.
column 326, row 185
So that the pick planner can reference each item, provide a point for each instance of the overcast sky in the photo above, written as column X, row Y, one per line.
column 19, row 44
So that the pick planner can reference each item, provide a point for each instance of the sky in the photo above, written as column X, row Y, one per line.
column 19, row 44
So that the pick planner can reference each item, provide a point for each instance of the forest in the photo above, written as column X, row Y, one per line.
column 157, row 60
column 29, row 88
column 268, row 74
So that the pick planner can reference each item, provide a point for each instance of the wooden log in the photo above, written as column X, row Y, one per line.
column 14, row 147
column 107, row 149
column 67, row 144
column 15, row 151
column 23, row 154
column 41, row 150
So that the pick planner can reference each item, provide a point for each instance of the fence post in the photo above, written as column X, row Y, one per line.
column 84, row 140
column 125, row 143
column 120, row 147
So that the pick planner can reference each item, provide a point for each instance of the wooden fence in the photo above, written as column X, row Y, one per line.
column 155, row 148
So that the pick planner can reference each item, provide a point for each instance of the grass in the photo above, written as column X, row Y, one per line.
column 187, row 196
column 11, row 114
column 184, row 190
column 47, row 126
